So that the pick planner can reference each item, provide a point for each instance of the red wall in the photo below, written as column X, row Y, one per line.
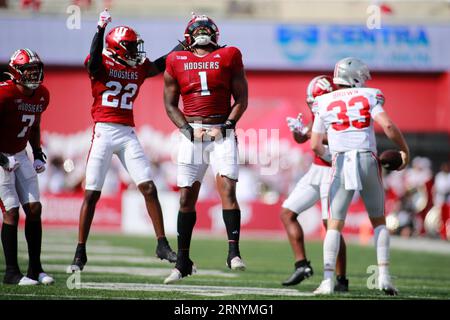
column 416, row 102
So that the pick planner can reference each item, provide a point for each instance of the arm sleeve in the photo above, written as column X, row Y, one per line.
column 95, row 61
column 379, row 102
column 160, row 63
column 318, row 125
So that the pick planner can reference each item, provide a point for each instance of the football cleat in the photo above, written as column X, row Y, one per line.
column 164, row 252
column 79, row 261
column 180, row 272
column 300, row 274
column 385, row 285
column 45, row 279
column 341, row 285
column 236, row 263
column 326, row 287
column 25, row 281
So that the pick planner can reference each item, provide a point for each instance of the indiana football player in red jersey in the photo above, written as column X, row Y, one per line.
column 312, row 187
column 206, row 76
column 117, row 73
column 23, row 99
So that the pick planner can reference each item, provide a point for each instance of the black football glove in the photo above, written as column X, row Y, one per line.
column 188, row 131
column 227, row 127
column 3, row 160
column 38, row 154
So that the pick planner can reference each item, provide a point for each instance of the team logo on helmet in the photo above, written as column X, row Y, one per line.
column 125, row 46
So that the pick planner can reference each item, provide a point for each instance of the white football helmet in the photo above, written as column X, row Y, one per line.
column 351, row 72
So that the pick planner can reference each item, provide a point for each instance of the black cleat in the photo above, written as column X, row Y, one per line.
column 341, row 284
column 12, row 278
column 182, row 269
column 164, row 252
column 79, row 261
column 300, row 274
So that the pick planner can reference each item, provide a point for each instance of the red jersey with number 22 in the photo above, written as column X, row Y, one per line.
column 205, row 82
column 18, row 113
column 114, row 90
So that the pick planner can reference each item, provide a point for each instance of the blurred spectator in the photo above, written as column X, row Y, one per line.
column 442, row 185
column 35, row 5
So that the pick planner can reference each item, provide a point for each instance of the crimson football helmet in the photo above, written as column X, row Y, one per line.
column 125, row 45
column 201, row 31
column 318, row 86
column 26, row 68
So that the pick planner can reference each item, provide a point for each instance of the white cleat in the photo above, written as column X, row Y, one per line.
column 326, row 287
column 25, row 281
column 176, row 275
column 236, row 264
column 45, row 279
column 385, row 285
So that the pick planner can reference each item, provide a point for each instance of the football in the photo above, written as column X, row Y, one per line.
column 391, row 159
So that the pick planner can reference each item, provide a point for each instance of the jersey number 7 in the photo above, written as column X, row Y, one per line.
column 343, row 114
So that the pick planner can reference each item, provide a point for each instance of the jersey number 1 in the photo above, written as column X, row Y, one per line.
column 342, row 114
column 204, row 84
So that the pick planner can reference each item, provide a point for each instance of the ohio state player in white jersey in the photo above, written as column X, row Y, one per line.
column 116, row 76
column 312, row 187
column 346, row 116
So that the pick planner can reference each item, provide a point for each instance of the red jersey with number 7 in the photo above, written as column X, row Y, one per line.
column 114, row 88
column 205, row 81
column 346, row 116
column 18, row 113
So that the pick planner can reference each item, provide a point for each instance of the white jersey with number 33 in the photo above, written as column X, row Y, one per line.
column 346, row 115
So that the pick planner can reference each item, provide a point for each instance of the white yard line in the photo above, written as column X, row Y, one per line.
column 136, row 271
column 95, row 258
column 95, row 249
column 210, row 291
column 80, row 297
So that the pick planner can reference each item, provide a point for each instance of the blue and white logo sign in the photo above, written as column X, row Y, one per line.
column 388, row 48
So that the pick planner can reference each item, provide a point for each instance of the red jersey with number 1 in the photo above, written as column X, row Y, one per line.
column 114, row 89
column 18, row 113
column 205, row 81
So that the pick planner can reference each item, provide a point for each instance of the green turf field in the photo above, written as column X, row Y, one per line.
column 125, row 267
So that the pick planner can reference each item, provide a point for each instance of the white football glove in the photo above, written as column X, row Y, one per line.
column 11, row 164
column 104, row 18
column 39, row 166
column 296, row 124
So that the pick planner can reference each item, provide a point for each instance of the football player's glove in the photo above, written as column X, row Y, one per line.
column 188, row 131
column 104, row 18
column 39, row 160
column 296, row 124
column 9, row 163
column 227, row 127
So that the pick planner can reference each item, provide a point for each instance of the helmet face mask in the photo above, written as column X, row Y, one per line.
column 201, row 31
column 26, row 68
column 351, row 72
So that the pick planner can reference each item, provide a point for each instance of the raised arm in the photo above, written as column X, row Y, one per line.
column 95, row 59
column 395, row 135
